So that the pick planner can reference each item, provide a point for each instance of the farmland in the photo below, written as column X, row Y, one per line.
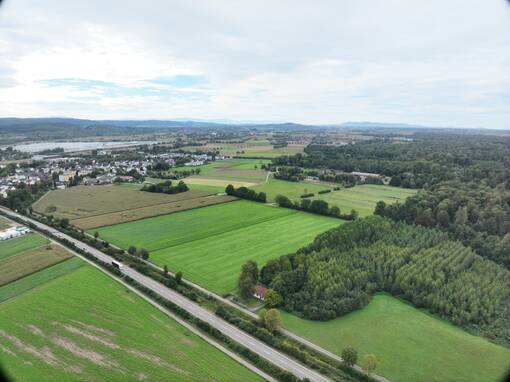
column 69, row 328
column 14, row 246
column 410, row 345
column 362, row 198
column 209, row 245
column 257, row 148
column 93, row 206
column 30, row 261
column 4, row 223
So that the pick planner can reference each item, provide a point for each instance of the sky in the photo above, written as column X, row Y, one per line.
column 433, row 63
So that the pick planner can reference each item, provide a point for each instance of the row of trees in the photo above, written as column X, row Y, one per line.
column 246, row 193
column 166, row 187
column 343, row 267
column 320, row 207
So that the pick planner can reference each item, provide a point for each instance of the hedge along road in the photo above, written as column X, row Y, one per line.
column 255, row 345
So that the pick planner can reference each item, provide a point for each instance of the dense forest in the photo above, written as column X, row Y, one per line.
column 465, row 181
column 343, row 267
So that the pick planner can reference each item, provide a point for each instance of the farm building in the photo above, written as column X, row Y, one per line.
column 260, row 292
column 13, row 232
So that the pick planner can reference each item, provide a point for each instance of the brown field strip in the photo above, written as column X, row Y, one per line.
column 145, row 212
column 33, row 260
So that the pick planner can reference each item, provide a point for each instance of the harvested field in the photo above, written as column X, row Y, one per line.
column 30, row 261
column 145, row 212
column 94, row 206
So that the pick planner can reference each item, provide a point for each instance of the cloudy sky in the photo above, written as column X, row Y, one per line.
column 435, row 62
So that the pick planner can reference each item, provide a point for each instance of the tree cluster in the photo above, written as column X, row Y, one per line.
column 166, row 187
column 246, row 193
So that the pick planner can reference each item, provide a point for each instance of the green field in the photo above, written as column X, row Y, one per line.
column 362, row 198
column 258, row 148
column 410, row 345
column 210, row 244
column 84, row 326
column 12, row 247
column 4, row 223
column 94, row 206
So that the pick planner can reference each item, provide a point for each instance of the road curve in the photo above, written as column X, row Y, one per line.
column 270, row 354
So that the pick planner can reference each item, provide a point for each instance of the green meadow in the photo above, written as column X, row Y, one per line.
column 85, row 326
column 210, row 244
column 410, row 345
column 361, row 198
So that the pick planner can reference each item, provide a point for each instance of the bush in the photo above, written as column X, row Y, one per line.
column 324, row 191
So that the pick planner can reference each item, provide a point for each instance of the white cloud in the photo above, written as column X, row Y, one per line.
column 435, row 62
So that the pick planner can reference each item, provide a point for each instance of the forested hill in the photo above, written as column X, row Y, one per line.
column 343, row 267
column 465, row 182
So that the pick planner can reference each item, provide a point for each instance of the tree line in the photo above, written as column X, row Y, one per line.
column 246, row 193
column 320, row 207
column 166, row 187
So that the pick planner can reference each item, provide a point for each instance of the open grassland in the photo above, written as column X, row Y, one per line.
column 94, row 206
column 17, row 245
column 29, row 282
column 84, row 326
column 209, row 245
column 410, row 345
column 362, row 198
column 259, row 148
column 33, row 260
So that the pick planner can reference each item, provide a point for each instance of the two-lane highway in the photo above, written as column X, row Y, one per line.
column 270, row 354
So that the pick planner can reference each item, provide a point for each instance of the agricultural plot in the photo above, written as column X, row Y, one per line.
column 93, row 206
column 209, row 245
column 410, row 345
column 28, row 262
column 362, row 198
column 15, row 246
column 4, row 223
column 259, row 148
column 75, row 327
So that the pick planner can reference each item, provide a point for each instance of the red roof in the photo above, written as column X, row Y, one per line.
column 260, row 291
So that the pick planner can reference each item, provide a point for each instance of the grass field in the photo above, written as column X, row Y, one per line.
column 361, row 198
column 209, row 245
column 93, row 206
column 84, row 326
column 410, row 345
column 4, row 223
column 252, row 148
column 29, row 282
column 30, row 261
column 12, row 247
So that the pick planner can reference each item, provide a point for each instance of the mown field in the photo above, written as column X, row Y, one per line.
column 30, row 261
column 362, row 198
column 259, row 148
column 210, row 244
column 410, row 345
column 84, row 326
column 93, row 206
column 4, row 223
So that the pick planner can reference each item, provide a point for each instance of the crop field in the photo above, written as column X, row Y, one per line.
column 362, row 198
column 30, row 261
column 259, row 148
column 14, row 246
column 4, row 223
column 209, row 245
column 410, row 345
column 93, row 206
column 84, row 326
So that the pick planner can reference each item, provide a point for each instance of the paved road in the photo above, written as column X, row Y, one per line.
column 255, row 345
